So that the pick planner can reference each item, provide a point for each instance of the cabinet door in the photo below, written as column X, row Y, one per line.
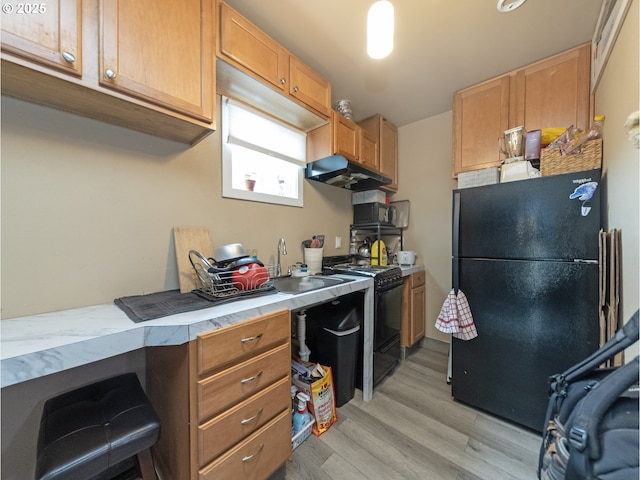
column 46, row 33
column 418, row 307
column 480, row 115
column 309, row 87
column 554, row 92
column 405, row 321
column 245, row 44
column 345, row 137
column 386, row 135
column 368, row 148
column 389, row 153
column 413, row 309
column 162, row 51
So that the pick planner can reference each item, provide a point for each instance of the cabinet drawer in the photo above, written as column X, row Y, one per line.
column 222, row 390
column 417, row 279
column 224, row 431
column 257, row 457
column 227, row 345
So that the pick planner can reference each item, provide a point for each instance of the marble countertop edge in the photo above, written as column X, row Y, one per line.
column 47, row 343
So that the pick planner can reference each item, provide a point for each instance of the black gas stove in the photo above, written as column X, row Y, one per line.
column 385, row 277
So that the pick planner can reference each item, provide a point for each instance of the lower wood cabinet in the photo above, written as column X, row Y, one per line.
column 413, row 327
column 224, row 401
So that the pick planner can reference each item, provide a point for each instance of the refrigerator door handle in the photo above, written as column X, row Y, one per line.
column 455, row 240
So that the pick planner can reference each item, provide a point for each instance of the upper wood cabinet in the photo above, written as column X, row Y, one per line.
column 386, row 136
column 46, row 33
column 255, row 55
column 174, row 41
column 368, row 148
column 480, row 113
column 146, row 65
column 245, row 44
column 553, row 92
column 309, row 87
column 343, row 137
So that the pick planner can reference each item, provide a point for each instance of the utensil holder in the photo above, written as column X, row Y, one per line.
column 313, row 259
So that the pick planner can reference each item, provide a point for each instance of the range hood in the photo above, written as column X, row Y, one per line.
column 340, row 172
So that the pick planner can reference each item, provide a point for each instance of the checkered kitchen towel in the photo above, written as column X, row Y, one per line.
column 455, row 317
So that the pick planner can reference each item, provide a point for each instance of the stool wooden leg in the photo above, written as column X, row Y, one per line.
column 145, row 463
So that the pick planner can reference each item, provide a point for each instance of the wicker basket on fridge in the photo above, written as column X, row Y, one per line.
column 589, row 156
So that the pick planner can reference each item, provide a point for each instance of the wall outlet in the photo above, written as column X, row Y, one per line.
column 338, row 242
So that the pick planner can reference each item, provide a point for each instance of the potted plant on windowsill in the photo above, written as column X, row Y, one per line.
column 250, row 181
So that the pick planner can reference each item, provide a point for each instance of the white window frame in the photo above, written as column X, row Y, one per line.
column 227, row 161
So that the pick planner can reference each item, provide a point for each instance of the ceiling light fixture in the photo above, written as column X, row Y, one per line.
column 509, row 5
column 380, row 29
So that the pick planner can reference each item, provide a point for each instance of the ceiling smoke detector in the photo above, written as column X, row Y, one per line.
column 509, row 5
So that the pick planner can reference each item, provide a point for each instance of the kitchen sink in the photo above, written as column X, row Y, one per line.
column 306, row 284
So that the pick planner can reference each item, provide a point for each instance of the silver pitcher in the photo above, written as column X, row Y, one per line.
column 511, row 143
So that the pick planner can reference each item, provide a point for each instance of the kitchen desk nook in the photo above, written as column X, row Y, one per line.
column 38, row 348
column 182, row 361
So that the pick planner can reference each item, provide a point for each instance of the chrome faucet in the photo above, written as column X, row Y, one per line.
column 281, row 244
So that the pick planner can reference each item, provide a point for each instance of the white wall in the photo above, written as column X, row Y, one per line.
column 617, row 96
column 424, row 150
column 88, row 210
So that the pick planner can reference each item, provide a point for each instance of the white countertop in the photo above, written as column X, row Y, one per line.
column 43, row 344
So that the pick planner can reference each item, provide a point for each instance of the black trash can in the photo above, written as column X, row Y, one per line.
column 333, row 336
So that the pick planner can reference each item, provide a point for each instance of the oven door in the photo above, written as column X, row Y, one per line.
column 386, row 341
column 387, row 316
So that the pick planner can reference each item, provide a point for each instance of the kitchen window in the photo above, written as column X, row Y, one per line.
column 263, row 160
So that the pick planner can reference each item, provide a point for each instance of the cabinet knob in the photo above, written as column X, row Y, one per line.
column 251, row 419
column 283, row 81
column 68, row 57
column 251, row 339
column 249, row 457
column 251, row 379
column 295, row 89
column 110, row 74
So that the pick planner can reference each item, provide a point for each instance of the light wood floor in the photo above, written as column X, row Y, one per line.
column 413, row 429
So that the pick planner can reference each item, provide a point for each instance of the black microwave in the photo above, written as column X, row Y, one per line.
column 364, row 213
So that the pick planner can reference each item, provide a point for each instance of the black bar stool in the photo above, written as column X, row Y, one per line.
column 98, row 432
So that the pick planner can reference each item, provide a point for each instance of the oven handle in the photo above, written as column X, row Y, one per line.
column 386, row 288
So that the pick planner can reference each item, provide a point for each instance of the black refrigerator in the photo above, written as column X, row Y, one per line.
column 526, row 255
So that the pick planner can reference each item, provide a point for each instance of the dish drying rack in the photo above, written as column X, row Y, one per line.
column 220, row 282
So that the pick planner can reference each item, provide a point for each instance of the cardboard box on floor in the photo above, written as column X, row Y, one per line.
column 322, row 403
